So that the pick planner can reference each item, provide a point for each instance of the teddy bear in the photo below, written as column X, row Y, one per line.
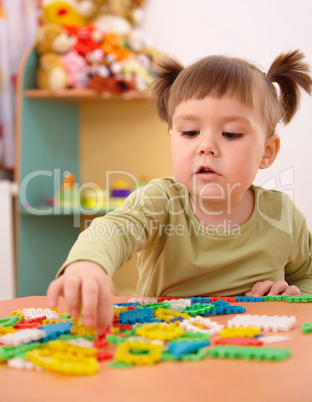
column 60, row 66
column 53, row 38
column 51, row 73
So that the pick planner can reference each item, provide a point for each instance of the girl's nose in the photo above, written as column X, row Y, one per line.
column 208, row 147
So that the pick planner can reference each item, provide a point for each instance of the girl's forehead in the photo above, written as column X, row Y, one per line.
column 217, row 101
column 225, row 109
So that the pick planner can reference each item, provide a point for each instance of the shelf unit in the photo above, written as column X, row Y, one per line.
column 47, row 146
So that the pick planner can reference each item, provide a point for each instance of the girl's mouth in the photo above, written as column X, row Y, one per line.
column 206, row 170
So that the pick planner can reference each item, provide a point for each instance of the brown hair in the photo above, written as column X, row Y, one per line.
column 221, row 75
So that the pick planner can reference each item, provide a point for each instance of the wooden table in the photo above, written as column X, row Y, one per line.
column 215, row 380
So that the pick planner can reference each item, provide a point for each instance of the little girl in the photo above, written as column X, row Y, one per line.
column 208, row 230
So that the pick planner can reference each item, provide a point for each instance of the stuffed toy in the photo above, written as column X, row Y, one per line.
column 118, row 16
column 55, row 40
column 88, row 38
column 51, row 73
column 63, row 13
column 77, row 69
column 52, row 40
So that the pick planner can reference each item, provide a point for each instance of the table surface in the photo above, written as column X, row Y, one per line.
column 217, row 380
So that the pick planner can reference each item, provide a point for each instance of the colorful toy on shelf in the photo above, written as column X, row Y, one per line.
column 121, row 189
column 119, row 67
column 60, row 65
column 63, row 13
column 88, row 38
column 52, row 41
column 120, row 16
column 77, row 69
column 105, row 49
column 94, row 197
column 68, row 197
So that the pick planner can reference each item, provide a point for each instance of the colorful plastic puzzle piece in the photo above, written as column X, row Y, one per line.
column 155, row 306
column 9, row 321
column 54, row 330
column 8, row 352
column 22, row 364
column 193, row 336
column 143, row 300
column 167, row 315
column 178, row 349
column 264, row 322
column 200, row 354
column 163, row 332
column 64, row 363
column 238, row 340
column 249, row 299
column 249, row 353
column 30, row 323
column 307, row 327
column 23, row 336
column 199, row 300
column 225, row 308
column 138, row 315
column 40, row 312
column 300, row 299
column 210, row 327
column 240, row 332
column 6, row 330
column 79, row 328
column 179, row 305
column 198, row 309
column 138, row 353
column 274, row 339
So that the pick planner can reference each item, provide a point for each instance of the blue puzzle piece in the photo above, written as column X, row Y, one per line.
column 178, row 349
column 249, row 299
column 200, row 300
column 225, row 309
column 53, row 331
column 139, row 315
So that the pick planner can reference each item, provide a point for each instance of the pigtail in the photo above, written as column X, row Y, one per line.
column 166, row 72
column 291, row 73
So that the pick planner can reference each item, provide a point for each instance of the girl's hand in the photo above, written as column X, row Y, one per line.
column 272, row 289
column 85, row 285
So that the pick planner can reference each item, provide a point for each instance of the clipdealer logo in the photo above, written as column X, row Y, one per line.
column 285, row 185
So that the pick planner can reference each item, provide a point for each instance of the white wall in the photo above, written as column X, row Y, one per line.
column 258, row 31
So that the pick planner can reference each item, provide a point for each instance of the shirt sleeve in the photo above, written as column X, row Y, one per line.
column 298, row 272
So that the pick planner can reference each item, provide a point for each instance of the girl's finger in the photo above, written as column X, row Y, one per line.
column 71, row 294
column 90, row 295
column 278, row 288
column 55, row 290
column 260, row 289
column 292, row 290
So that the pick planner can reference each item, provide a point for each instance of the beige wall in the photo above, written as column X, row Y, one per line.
column 128, row 136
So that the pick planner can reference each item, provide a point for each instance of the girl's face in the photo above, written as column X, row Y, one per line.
column 218, row 145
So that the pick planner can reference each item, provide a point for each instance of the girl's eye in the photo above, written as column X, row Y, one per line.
column 190, row 133
column 231, row 136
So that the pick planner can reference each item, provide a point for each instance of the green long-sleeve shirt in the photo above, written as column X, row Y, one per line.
column 178, row 256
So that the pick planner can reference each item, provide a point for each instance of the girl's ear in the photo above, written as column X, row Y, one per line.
column 272, row 147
